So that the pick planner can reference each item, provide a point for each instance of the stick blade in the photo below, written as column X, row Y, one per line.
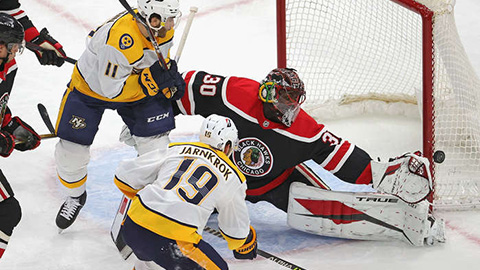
column 45, row 117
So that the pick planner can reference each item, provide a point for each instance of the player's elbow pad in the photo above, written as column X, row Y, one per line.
column 125, row 189
column 249, row 248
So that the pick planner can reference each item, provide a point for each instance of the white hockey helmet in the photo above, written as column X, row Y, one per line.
column 163, row 8
column 217, row 131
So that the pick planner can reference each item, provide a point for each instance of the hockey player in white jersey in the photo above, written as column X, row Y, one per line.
column 174, row 191
column 119, row 70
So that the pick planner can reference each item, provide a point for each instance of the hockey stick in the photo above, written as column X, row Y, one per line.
column 260, row 252
column 150, row 33
column 33, row 46
column 43, row 136
column 3, row 106
column 46, row 119
column 161, row 59
column 193, row 10
column 123, row 248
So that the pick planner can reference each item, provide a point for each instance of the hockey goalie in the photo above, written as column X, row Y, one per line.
column 278, row 138
column 377, row 215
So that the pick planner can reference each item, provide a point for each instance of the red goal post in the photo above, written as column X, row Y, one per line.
column 392, row 51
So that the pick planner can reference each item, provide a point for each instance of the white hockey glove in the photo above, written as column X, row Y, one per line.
column 408, row 177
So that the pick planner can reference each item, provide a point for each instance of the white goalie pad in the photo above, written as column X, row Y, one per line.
column 407, row 177
column 361, row 215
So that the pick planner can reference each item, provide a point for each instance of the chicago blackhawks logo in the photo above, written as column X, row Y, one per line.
column 253, row 157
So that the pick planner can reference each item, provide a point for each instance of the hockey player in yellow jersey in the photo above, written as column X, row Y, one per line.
column 175, row 191
column 119, row 70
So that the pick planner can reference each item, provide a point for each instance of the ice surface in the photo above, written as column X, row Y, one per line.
column 229, row 38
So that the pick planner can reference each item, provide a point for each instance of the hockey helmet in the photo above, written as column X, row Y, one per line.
column 219, row 131
column 11, row 33
column 282, row 92
column 163, row 8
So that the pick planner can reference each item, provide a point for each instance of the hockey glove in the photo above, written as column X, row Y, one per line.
column 7, row 143
column 249, row 249
column 156, row 79
column 52, row 54
column 23, row 132
column 177, row 81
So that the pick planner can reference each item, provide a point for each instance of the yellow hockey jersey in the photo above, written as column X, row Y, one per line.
column 179, row 188
column 116, row 52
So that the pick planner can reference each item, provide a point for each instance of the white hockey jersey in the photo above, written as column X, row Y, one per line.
column 179, row 188
column 116, row 53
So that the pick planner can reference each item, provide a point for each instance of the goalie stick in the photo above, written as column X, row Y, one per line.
column 260, row 252
column 186, row 30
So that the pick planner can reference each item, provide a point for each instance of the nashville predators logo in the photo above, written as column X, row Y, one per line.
column 253, row 157
column 126, row 41
column 77, row 122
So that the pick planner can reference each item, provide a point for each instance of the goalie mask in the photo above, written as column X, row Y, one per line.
column 11, row 35
column 282, row 92
column 218, row 132
column 162, row 9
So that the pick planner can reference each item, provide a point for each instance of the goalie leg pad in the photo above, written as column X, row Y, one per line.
column 361, row 215
column 408, row 177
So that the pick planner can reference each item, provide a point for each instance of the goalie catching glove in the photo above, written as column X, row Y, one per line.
column 407, row 177
column 156, row 79
column 24, row 133
column 52, row 53
column 249, row 248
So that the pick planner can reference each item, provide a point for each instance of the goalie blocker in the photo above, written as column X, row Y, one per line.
column 363, row 216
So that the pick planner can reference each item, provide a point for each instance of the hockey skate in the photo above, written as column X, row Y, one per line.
column 69, row 211
column 407, row 177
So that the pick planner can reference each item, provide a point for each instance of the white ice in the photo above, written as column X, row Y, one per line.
column 229, row 38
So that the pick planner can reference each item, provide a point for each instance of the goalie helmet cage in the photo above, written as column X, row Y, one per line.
column 397, row 51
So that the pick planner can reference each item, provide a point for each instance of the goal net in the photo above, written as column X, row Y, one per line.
column 351, row 53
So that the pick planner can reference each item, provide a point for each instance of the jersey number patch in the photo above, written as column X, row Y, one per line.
column 200, row 181
column 111, row 70
column 209, row 86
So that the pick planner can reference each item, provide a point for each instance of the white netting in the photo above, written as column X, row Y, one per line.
column 457, row 111
column 357, row 55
